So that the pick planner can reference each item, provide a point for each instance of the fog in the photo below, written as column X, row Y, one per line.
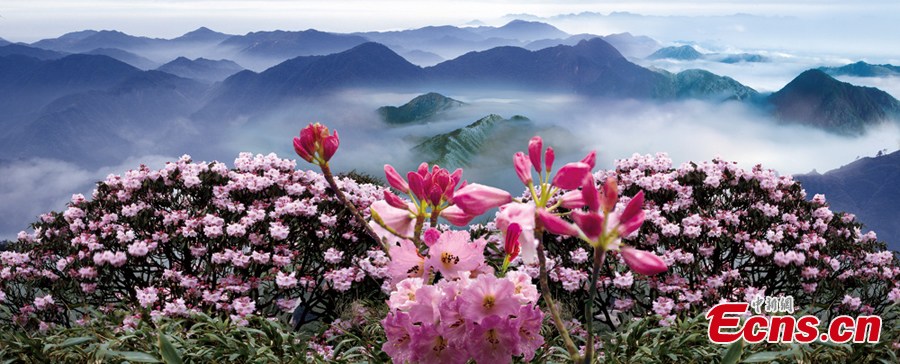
column 29, row 188
column 687, row 130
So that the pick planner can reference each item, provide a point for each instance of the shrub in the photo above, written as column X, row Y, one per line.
column 195, row 237
column 730, row 234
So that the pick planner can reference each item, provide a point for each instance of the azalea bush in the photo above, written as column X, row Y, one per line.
column 727, row 233
column 259, row 239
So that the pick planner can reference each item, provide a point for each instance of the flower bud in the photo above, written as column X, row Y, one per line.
column 523, row 170
column 511, row 243
column 643, row 262
column 395, row 180
column 476, row 199
column 535, row 146
column 556, row 224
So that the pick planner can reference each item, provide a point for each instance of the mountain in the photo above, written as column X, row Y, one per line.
column 88, row 40
column 4, row 42
column 34, row 85
column 284, row 44
column 632, row 46
column 701, row 84
column 522, row 30
column 23, row 50
column 145, row 112
column 682, row 53
column 366, row 65
column 815, row 98
column 201, row 69
column 863, row 69
column 125, row 56
column 422, row 58
column 592, row 67
column 459, row 147
column 487, row 143
column 867, row 188
column 202, row 35
column 420, row 108
column 743, row 57
column 547, row 43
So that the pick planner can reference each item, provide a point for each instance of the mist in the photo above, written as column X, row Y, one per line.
column 29, row 188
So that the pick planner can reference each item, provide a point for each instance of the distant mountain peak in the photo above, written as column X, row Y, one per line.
column 863, row 69
column 421, row 108
column 815, row 98
column 682, row 53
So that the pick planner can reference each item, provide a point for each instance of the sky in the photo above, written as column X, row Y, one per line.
column 31, row 20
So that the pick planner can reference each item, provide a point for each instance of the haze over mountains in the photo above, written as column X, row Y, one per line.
column 94, row 98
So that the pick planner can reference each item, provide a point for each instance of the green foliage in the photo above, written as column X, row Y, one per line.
column 200, row 339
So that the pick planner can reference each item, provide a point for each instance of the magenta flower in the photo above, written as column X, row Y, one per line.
column 643, row 262
column 511, row 243
column 476, row 199
column 492, row 340
column 571, row 175
column 406, row 262
column 454, row 254
column 314, row 144
column 488, row 296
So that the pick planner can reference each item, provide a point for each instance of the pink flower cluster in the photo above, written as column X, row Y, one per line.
column 726, row 233
column 485, row 318
column 197, row 237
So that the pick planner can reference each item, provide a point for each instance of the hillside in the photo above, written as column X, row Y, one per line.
column 816, row 99
column 420, row 108
column 868, row 188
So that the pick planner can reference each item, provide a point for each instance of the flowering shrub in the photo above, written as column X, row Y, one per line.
column 257, row 239
column 729, row 234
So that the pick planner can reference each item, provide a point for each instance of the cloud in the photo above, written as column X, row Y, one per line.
column 32, row 187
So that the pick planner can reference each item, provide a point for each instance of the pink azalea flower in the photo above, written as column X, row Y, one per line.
column 403, row 297
column 457, row 216
column 397, row 329
column 493, row 340
column 315, row 143
column 400, row 220
column 405, row 261
column 453, row 254
column 429, row 345
column 426, row 309
column 487, row 296
column 528, row 326
column 523, row 215
column 525, row 291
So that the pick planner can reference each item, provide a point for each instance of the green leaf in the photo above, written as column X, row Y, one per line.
column 167, row 351
column 762, row 357
column 136, row 356
column 733, row 355
column 76, row 341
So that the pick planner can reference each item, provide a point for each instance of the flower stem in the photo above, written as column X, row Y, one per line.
column 329, row 177
column 548, row 297
column 599, row 257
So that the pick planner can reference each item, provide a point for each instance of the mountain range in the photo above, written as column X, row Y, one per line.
column 863, row 69
column 868, row 188
column 689, row 53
